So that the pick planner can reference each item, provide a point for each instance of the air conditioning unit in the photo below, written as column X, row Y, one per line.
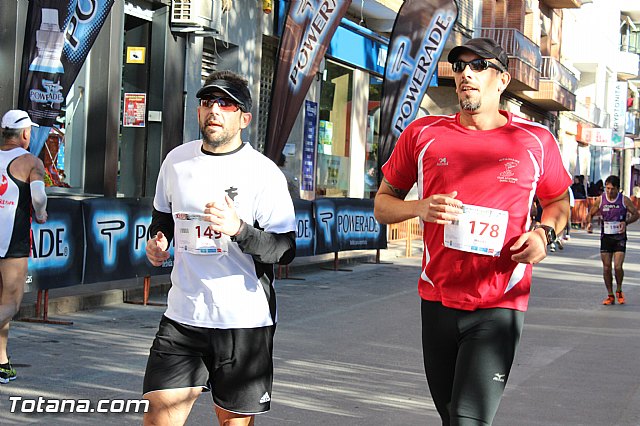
column 196, row 16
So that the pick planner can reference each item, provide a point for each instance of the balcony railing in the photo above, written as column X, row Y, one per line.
column 553, row 70
column 516, row 45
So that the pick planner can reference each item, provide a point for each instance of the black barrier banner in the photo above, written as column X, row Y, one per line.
column 308, row 29
column 58, row 247
column 325, row 214
column 357, row 228
column 116, row 234
column 58, row 37
column 417, row 41
column 305, row 228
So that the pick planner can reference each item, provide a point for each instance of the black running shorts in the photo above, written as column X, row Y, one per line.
column 467, row 358
column 235, row 364
column 612, row 245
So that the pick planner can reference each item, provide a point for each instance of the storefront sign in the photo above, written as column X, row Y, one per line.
column 58, row 247
column 309, row 146
column 117, row 231
column 417, row 41
column 597, row 136
column 305, row 228
column 134, row 111
column 347, row 224
column 58, row 37
column 619, row 116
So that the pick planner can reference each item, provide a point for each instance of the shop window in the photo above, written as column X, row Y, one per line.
column 333, row 131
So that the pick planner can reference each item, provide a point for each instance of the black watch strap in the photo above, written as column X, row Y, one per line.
column 548, row 231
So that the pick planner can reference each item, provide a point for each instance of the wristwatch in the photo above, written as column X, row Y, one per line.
column 548, row 231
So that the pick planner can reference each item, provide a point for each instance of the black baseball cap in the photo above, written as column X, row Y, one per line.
column 236, row 91
column 486, row 48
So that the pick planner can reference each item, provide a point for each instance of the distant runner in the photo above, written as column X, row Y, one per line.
column 617, row 211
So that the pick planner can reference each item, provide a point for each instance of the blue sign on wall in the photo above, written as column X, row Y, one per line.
column 309, row 146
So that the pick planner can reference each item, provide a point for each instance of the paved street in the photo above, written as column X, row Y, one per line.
column 348, row 351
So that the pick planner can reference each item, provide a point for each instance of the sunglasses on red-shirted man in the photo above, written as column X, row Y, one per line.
column 475, row 65
column 224, row 103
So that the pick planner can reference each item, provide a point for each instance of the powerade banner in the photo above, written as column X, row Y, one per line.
column 57, row 255
column 309, row 26
column 305, row 228
column 347, row 224
column 357, row 228
column 417, row 41
column 326, row 236
column 58, row 37
column 117, row 231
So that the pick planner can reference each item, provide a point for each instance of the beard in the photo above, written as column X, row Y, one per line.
column 215, row 139
column 470, row 105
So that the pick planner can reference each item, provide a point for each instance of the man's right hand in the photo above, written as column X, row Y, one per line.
column 157, row 249
column 589, row 228
column 442, row 209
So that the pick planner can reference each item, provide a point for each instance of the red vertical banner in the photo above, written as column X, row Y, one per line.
column 308, row 29
column 417, row 41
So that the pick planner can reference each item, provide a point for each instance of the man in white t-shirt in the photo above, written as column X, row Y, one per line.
column 228, row 209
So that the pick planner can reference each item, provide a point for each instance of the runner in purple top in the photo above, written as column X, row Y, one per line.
column 616, row 211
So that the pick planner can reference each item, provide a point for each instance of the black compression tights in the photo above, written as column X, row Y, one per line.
column 467, row 358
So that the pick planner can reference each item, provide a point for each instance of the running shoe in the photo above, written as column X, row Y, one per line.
column 610, row 300
column 7, row 373
column 620, row 297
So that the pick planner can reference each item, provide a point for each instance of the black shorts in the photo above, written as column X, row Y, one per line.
column 612, row 245
column 467, row 358
column 235, row 364
column 19, row 246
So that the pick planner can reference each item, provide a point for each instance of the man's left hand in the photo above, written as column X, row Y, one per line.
column 531, row 248
column 223, row 216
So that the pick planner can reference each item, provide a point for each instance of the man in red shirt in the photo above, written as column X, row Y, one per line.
column 477, row 173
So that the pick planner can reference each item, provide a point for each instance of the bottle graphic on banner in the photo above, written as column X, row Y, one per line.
column 45, row 97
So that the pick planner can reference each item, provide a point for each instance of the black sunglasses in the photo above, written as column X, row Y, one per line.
column 475, row 65
column 224, row 103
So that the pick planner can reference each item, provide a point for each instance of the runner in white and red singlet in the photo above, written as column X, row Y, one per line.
column 477, row 173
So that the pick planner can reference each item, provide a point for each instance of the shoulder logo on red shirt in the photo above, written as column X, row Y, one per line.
column 507, row 176
column 442, row 161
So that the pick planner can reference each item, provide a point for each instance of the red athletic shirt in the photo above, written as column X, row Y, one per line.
column 500, row 169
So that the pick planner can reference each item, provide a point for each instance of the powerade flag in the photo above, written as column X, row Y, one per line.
column 417, row 41
column 308, row 29
column 58, row 37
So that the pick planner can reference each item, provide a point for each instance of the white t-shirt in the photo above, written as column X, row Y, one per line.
column 222, row 290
